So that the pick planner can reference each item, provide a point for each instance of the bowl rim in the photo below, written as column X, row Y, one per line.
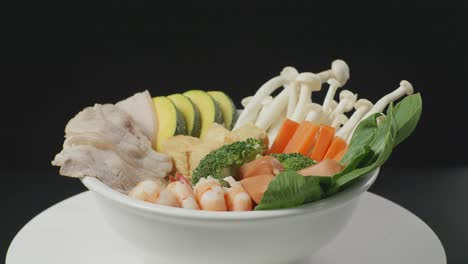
column 353, row 191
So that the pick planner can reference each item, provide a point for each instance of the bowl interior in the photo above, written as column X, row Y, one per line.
column 352, row 191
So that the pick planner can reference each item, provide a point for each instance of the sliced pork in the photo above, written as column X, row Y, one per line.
column 140, row 107
column 105, row 142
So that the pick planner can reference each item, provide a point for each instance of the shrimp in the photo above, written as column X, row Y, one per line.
column 210, row 195
column 153, row 192
column 183, row 192
column 237, row 199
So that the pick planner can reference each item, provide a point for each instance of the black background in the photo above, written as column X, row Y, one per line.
column 59, row 58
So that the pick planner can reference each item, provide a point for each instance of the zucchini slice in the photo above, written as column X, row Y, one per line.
column 189, row 111
column 209, row 109
column 227, row 107
column 170, row 120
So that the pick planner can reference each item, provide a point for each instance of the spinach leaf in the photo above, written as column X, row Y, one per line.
column 380, row 149
column 407, row 114
column 290, row 189
column 362, row 136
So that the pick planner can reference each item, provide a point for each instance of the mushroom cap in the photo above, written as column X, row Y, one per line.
column 407, row 86
column 246, row 100
column 346, row 94
column 310, row 79
column 341, row 71
column 340, row 118
column 289, row 73
column 333, row 82
column 363, row 103
column 347, row 99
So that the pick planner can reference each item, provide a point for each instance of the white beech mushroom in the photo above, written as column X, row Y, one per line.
column 315, row 114
column 334, row 85
column 274, row 128
column 252, row 109
column 339, row 71
column 346, row 104
column 361, row 107
column 338, row 121
column 246, row 100
column 292, row 97
column 280, row 102
column 265, row 104
column 272, row 111
column 309, row 83
column 405, row 89
column 326, row 118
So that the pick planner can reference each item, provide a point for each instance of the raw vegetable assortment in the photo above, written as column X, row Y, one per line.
column 279, row 152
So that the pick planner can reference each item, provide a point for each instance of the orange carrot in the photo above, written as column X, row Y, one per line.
column 340, row 155
column 303, row 139
column 337, row 145
column 284, row 135
column 324, row 140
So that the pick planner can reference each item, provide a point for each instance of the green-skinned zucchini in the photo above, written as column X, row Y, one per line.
column 170, row 120
column 209, row 110
column 190, row 112
column 227, row 107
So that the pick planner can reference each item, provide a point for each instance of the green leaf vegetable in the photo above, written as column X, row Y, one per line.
column 289, row 189
column 370, row 147
column 407, row 114
column 294, row 161
column 219, row 163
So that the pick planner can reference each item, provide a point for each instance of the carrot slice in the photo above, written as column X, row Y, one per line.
column 338, row 144
column 284, row 135
column 324, row 140
column 303, row 139
column 340, row 155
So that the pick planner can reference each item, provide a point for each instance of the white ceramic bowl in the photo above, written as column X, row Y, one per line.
column 176, row 235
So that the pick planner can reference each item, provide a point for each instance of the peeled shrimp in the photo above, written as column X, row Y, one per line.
column 210, row 195
column 237, row 199
column 183, row 192
column 153, row 192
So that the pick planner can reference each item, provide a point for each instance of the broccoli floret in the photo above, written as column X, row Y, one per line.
column 294, row 161
column 220, row 162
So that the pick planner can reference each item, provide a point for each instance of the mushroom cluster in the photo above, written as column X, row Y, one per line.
column 294, row 101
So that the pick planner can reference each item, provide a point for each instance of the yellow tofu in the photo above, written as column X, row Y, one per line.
column 178, row 148
column 249, row 130
column 179, row 142
column 218, row 135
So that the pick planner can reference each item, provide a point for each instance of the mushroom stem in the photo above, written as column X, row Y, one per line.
column 265, row 90
column 334, row 85
column 315, row 114
column 265, row 106
column 273, row 131
column 292, row 97
column 405, row 89
column 338, row 121
column 272, row 111
column 275, row 108
column 361, row 107
column 309, row 82
column 346, row 104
